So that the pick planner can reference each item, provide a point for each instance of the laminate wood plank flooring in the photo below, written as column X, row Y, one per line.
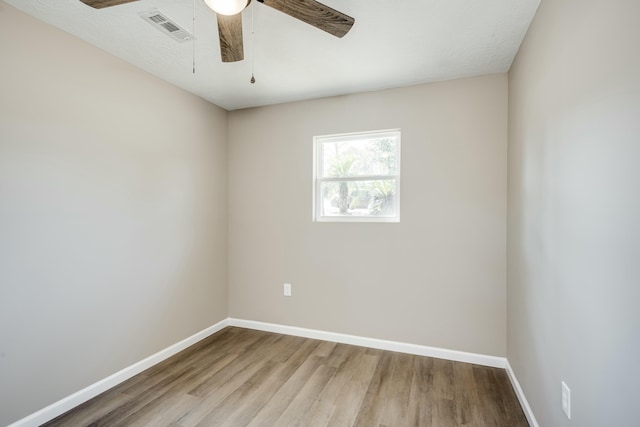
column 240, row 377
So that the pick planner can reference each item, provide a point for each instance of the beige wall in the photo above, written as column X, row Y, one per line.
column 112, row 215
column 574, row 212
column 437, row 278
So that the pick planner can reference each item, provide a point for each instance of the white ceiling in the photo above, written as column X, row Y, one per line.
column 393, row 43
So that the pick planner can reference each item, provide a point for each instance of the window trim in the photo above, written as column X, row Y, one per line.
column 318, row 166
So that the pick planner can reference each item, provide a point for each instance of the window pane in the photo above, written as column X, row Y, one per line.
column 359, row 198
column 373, row 156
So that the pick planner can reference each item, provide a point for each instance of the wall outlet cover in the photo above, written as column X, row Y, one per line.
column 566, row 400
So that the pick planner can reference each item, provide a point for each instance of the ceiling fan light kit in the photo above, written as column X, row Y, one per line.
column 227, row 7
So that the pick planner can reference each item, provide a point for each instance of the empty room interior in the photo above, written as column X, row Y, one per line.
column 351, row 212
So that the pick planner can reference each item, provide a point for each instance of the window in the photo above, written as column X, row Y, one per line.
column 357, row 177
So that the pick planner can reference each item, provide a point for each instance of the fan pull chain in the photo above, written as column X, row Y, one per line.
column 194, row 36
column 253, row 45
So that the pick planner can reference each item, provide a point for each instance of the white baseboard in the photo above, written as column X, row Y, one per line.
column 61, row 406
column 521, row 397
column 420, row 350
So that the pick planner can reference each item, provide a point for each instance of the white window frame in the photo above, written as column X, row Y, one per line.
column 318, row 180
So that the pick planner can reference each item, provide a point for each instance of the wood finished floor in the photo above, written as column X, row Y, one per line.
column 240, row 377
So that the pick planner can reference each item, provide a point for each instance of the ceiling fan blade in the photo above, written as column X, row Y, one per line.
column 230, row 32
column 314, row 13
column 99, row 4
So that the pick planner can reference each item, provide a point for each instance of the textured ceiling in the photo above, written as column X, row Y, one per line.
column 393, row 43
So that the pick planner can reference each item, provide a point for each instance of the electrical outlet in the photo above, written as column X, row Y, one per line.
column 566, row 400
column 287, row 289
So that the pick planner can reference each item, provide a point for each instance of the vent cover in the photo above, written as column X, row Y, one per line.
column 166, row 25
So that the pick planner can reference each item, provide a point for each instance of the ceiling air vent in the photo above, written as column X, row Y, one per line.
column 166, row 25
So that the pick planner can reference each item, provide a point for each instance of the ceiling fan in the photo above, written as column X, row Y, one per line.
column 230, row 19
